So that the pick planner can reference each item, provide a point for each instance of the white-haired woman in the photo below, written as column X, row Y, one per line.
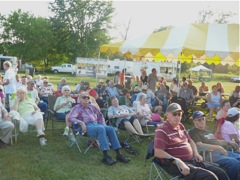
column 30, row 112
column 146, row 114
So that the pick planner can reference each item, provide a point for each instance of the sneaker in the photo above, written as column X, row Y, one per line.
column 66, row 130
column 108, row 160
column 42, row 141
column 122, row 158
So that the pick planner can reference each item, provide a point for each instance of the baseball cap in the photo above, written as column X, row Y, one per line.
column 232, row 112
column 31, row 82
column 174, row 107
column 198, row 114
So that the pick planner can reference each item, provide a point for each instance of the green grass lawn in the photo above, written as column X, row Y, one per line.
column 27, row 160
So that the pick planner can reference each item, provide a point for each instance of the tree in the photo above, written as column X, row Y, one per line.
column 208, row 16
column 27, row 37
column 81, row 26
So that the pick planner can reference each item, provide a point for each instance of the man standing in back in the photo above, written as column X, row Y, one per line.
column 152, row 80
column 9, row 81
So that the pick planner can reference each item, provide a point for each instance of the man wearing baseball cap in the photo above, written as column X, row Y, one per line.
column 206, row 140
column 177, row 150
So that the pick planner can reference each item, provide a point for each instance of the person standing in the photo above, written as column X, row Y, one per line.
column 9, row 81
column 152, row 80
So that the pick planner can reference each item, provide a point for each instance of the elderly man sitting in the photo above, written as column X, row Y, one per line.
column 93, row 124
column 178, row 151
column 205, row 139
column 111, row 90
column 186, row 94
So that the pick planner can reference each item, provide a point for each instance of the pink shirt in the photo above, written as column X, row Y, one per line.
column 227, row 129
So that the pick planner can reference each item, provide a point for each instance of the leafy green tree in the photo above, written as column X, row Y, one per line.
column 27, row 37
column 81, row 26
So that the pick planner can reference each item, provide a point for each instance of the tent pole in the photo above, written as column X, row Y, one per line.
column 97, row 67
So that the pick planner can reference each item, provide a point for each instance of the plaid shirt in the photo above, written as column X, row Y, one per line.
column 87, row 114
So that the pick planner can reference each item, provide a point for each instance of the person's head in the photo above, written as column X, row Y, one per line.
column 7, row 65
column 214, row 88
column 100, row 82
column 174, row 81
column 84, row 98
column 66, row 90
column 21, row 93
column 144, row 89
column 190, row 82
column 114, row 101
column 45, row 82
column 237, row 88
column 63, row 80
column 232, row 114
column 199, row 120
column 236, row 94
column 82, row 82
column 225, row 105
column 126, row 92
column 124, row 70
column 143, row 72
column 203, row 84
column 86, row 85
column 162, row 86
column 117, row 73
column 174, row 114
column 29, row 77
column 140, row 83
column 39, row 77
column 143, row 98
column 219, row 85
column 154, row 70
column 184, row 79
column 111, row 83
column 17, row 78
column 24, row 80
column 30, row 85
column 185, row 85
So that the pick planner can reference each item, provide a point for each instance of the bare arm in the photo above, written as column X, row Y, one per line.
column 195, row 151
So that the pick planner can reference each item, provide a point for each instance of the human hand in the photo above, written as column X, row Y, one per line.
column 234, row 145
column 84, row 128
column 223, row 151
column 185, row 170
column 198, row 158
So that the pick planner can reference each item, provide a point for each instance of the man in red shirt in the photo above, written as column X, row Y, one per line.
column 173, row 144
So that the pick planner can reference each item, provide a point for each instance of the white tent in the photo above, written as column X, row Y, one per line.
column 203, row 73
column 200, row 68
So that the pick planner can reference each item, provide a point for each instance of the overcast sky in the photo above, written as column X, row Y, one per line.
column 145, row 16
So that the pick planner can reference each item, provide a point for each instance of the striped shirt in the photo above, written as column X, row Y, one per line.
column 174, row 141
column 87, row 114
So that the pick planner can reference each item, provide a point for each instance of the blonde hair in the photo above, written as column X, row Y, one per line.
column 21, row 89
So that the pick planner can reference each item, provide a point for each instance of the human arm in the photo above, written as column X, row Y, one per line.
column 15, row 104
column 212, row 147
column 197, row 156
column 184, row 169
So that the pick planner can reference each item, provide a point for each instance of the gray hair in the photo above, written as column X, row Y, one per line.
column 66, row 88
column 7, row 63
column 142, row 96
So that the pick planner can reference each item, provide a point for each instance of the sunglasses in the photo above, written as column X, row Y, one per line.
column 85, row 97
column 179, row 113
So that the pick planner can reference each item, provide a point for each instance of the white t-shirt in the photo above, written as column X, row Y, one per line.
column 11, row 76
column 227, row 129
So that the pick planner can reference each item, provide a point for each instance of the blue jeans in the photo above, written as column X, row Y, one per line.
column 231, row 163
column 60, row 116
column 104, row 134
column 43, row 107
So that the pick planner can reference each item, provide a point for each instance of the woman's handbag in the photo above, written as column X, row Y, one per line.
column 156, row 117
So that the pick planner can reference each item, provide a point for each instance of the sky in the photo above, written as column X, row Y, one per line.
column 145, row 16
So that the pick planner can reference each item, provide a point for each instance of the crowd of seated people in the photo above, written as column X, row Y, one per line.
column 87, row 114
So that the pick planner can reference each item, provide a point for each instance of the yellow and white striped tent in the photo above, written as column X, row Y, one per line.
column 211, row 43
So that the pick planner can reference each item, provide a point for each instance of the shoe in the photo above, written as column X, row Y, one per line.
column 66, row 130
column 42, row 141
column 122, row 158
column 108, row 160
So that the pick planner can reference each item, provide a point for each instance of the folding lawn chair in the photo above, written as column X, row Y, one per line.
column 75, row 136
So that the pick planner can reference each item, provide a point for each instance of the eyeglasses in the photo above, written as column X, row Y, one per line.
column 85, row 97
column 178, row 113
column 66, row 90
column 200, row 119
